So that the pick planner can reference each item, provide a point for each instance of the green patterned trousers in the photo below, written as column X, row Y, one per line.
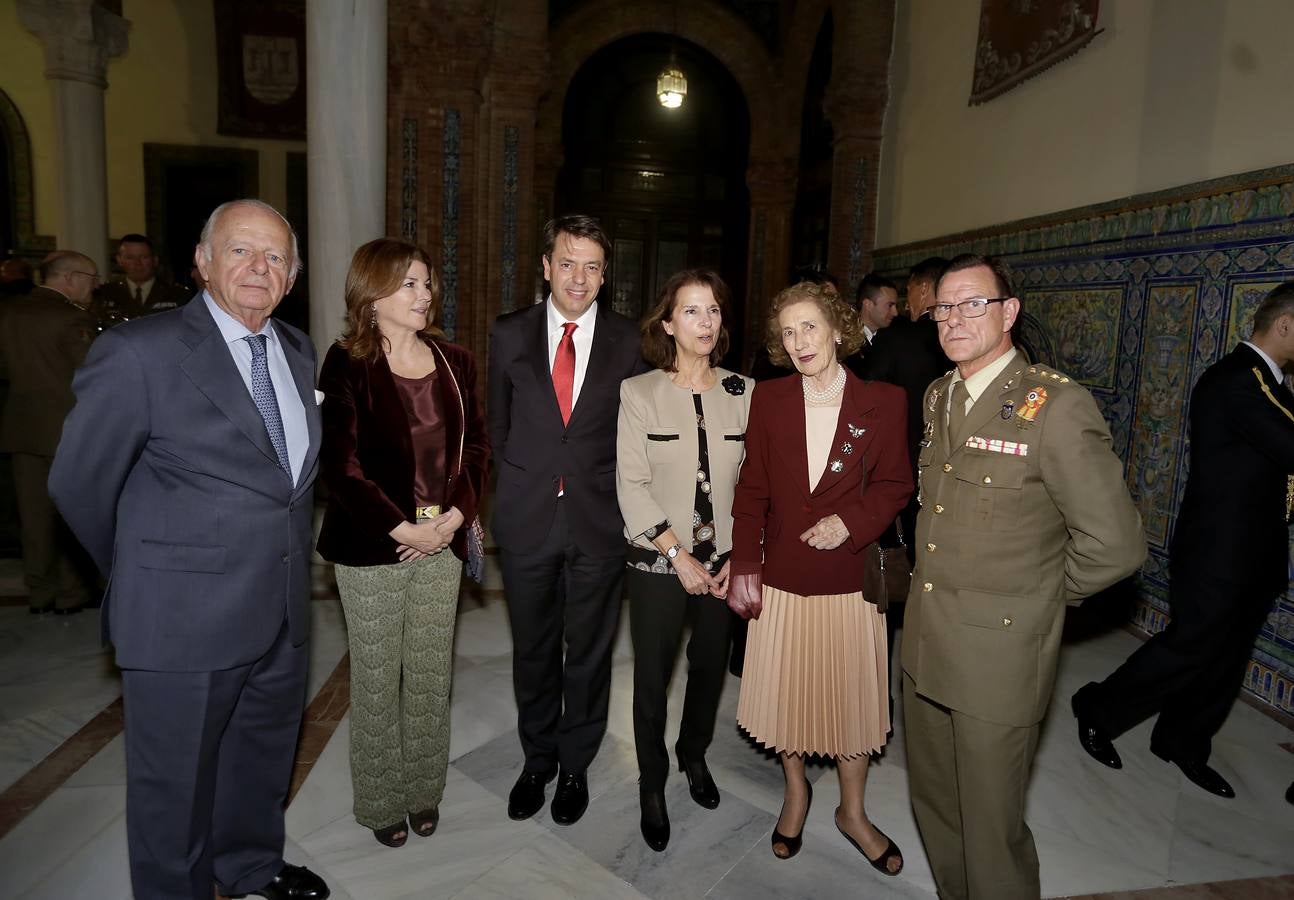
column 400, row 622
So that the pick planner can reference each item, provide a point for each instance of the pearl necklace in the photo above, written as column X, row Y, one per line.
column 822, row 398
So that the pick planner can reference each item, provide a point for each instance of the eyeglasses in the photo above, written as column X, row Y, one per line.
column 93, row 276
column 969, row 309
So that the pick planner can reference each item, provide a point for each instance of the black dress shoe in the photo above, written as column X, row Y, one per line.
column 700, row 784
column 655, row 821
column 1093, row 739
column 1200, row 774
column 527, row 796
column 292, row 883
column 571, row 798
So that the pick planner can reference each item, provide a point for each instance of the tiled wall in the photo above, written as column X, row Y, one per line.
column 1136, row 298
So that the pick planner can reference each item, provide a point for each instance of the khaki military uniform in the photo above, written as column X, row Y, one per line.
column 1022, row 511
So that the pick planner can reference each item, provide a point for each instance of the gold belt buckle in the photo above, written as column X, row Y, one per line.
column 423, row 513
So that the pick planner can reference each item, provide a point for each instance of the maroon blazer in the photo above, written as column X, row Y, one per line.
column 873, row 483
column 367, row 457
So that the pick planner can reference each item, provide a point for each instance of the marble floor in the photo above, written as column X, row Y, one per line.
column 1098, row 831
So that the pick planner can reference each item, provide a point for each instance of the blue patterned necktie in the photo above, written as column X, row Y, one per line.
column 266, row 401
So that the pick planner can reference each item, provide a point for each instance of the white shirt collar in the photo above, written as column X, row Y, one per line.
column 1271, row 363
column 230, row 328
column 145, row 287
column 556, row 320
column 869, row 333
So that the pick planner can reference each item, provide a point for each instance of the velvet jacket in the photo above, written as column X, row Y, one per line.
column 866, row 483
column 367, row 459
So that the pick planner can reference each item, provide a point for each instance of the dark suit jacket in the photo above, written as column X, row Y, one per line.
column 115, row 300
column 43, row 338
column 367, row 460
column 167, row 476
column 773, row 498
column 1232, row 521
column 533, row 449
column 908, row 354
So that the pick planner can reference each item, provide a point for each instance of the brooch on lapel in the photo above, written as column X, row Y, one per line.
column 846, row 448
column 1033, row 401
column 836, row 466
column 855, row 431
column 735, row 385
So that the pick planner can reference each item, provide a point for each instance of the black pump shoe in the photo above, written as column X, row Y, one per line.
column 793, row 844
column 700, row 783
column 655, row 820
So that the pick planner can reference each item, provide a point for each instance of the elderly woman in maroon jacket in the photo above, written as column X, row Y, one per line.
column 826, row 472
column 404, row 458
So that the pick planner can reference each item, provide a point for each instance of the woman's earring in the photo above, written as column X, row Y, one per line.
column 837, row 340
column 373, row 319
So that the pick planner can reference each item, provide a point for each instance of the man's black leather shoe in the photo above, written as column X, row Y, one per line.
column 527, row 796
column 292, row 883
column 571, row 798
column 655, row 821
column 1200, row 774
column 1094, row 740
column 700, row 783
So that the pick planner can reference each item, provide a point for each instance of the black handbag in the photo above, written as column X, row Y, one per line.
column 887, row 575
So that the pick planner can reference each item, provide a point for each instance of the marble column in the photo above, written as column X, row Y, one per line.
column 346, row 135
column 79, row 38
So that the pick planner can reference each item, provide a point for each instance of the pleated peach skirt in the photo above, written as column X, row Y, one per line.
column 815, row 675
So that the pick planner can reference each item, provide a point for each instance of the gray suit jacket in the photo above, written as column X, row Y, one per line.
column 166, row 474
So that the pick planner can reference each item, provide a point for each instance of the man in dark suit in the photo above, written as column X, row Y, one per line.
column 186, row 468
column 142, row 291
column 1228, row 560
column 44, row 336
column 908, row 354
column 554, row 396
column 877, row 302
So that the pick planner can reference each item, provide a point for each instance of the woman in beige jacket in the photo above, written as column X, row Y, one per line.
column 680, row 442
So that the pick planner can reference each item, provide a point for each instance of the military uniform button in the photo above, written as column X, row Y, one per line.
column 927, row 587
column 930, row 548
column 939, row 508
column 988, row 479
column 948, row 467
column 1006, row 622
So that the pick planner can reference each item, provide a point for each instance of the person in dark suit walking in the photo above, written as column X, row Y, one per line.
column 44, row 337
column 554, row 397
column 186, row 469
column 1228, row 560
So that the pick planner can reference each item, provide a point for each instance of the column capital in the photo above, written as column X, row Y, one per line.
column 855, row 106
column 79, row 37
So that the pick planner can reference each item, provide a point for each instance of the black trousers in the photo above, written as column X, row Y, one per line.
column 560, row 594
column 1189, row 673
column 658, row 610
column 208, row 761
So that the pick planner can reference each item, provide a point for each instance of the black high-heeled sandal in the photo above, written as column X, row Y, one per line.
column 882, row 862
column 388, row 834
column 424, row 823
column 793, row 844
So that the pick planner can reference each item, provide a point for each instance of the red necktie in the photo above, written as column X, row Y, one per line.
column 564, row 371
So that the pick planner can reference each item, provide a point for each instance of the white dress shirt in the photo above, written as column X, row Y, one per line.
column 291, row 409
column 583, row 338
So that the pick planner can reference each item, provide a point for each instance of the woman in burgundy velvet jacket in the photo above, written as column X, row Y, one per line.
column 404, row 458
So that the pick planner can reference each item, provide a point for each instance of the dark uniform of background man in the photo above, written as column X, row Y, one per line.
column 44, row 337
column 1228, row 561
column 142, row 291
column 1023, row 509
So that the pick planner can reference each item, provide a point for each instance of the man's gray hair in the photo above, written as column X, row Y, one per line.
column 204, row 241
column 60, row 262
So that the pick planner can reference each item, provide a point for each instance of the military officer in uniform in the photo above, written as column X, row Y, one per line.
column 1023, row 509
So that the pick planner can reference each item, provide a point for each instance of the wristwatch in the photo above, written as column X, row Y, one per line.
column 674, row 551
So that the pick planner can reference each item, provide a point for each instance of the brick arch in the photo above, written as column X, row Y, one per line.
column 721, row 33
column 22, row 200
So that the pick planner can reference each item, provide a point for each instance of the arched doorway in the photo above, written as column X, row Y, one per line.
column 669, row 184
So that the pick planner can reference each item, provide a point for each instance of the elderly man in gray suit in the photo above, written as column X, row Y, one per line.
column 186, row 469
